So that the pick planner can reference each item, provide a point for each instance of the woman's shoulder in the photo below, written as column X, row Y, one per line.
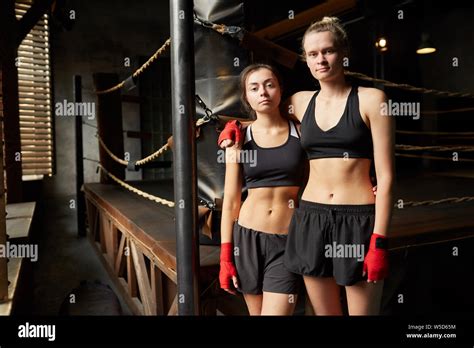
column 302, row 96
column 371, row 101
column 298, row 102
column 370, row 93
column 245, row 124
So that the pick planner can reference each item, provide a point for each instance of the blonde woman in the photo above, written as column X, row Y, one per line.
column 338, row 234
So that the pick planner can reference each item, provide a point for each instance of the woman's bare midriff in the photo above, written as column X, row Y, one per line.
column 269, row 209
column 339, row 181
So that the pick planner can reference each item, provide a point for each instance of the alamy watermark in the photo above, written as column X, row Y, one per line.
column 9, row 250
column 85, row 109
column 392, row 108
column 237, row 156
column 28, row 330
column 344, row 251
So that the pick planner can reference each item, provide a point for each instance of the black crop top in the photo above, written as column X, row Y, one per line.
column 349, row 138
column 282, row 165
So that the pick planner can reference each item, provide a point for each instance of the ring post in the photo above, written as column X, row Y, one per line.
column 184, row 163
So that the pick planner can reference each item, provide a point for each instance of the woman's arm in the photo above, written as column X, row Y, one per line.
column 230, row 213
column 295, row 106
column 232, row 193
column 383, row 137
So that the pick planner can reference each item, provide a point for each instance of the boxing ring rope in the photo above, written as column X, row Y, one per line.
column 434, row 157
column 140, row 162
column 220, row 28
column 436, row 133
column 135, row 190
column 406, row 247
column 439, row 201
column 434, row 112
column 154, row 155
column 140, row 70
column 436, row 148
column 410, row 88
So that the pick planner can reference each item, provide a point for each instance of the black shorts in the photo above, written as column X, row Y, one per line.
column 259, row 261
column 327, row 240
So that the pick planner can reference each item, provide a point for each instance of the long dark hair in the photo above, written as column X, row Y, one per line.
column 243, row 79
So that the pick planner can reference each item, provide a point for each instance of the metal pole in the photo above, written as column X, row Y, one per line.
column 185, row 181
column 79, row 161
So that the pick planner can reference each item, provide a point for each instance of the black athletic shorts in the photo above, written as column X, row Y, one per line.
column 327, row 240
column 259, row 261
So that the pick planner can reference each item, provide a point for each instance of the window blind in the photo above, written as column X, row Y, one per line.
column 34, row 87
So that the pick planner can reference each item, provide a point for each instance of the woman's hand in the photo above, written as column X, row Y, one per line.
column 226, row 274
column 226, row 143
column 376, row 260
column 227, row 270
column 231, row 134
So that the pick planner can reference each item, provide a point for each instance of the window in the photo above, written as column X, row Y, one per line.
column 34, row 87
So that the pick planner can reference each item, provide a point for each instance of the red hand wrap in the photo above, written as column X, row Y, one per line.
column 227, row 270
column 376, row 260
column 232, row 131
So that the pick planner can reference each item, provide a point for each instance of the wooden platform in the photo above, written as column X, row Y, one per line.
column 120, row 221
column 119, row 218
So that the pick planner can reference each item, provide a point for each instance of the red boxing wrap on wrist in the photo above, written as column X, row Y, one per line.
column 227, row 250
column 227, row 267
column 232, row 131
column 376, row 259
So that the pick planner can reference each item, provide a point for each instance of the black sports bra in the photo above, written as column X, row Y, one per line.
column 349, row 138
column 282, row 165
